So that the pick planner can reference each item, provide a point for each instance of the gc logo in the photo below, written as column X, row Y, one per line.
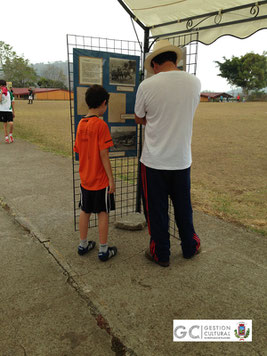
column 180, row 332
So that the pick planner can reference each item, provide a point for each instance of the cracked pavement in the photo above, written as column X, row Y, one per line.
column 56, row 303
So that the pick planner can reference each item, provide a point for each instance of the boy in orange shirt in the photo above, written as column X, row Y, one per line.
column 92, row 143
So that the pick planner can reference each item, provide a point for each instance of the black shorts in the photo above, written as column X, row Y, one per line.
column 6, row 116
column 96, row 201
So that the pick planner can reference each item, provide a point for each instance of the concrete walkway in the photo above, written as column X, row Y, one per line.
column 54, row 302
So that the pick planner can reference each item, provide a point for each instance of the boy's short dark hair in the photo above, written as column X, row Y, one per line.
column 2, row 82
column 164, row 57
column 95, row 95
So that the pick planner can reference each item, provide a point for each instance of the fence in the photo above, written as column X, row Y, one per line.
column 125, row 169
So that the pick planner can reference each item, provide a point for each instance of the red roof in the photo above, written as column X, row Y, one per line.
column 216, row 95
column 25, row 91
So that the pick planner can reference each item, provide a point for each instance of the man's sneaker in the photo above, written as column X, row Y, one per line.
column 84, row 250
column 150, row 258
column 6, row 139
column 111, row 252
column 11, row 139
column 198, row 247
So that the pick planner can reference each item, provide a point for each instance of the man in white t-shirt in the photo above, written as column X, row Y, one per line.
column 166, row 104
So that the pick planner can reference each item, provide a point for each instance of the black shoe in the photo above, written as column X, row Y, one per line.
column 83, row 250
column 196, row 253
column 111, row 252
column 150, row 258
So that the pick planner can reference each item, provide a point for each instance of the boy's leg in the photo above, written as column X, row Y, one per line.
column 10, row 127
column 83, row 224
column 105, row 252
column 5, row 128
column 84, row 246
column 103, row 227
column 6, row 134
column 11, row 131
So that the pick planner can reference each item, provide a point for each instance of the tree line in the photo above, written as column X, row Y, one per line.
column 248, row 72
column 22, row 74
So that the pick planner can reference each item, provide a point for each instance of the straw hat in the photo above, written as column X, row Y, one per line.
column 161, row 47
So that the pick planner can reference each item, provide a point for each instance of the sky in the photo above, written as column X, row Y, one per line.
column 38, row 32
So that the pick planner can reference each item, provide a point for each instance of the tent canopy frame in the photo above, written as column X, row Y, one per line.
column 191, row 26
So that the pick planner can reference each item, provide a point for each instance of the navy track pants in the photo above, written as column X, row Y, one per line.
column 157, row 186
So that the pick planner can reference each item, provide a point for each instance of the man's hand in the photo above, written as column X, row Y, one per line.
column 140, row 120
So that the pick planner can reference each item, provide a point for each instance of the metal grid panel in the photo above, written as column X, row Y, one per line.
column 191, row 49
column 125, row 170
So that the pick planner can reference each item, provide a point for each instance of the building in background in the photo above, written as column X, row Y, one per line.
column 43, row 94
column 206, row 97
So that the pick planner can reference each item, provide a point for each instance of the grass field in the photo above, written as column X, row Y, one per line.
column 229, row 147
column 46, row 123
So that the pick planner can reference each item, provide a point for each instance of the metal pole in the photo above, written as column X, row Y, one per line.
column 72, row 135
column 138, row 193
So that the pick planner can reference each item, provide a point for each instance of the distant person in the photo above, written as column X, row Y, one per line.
column 92, row 143
column 166, row 104
column 30, row 97
column 7, row 111
column 238, row 98
column 221, row 98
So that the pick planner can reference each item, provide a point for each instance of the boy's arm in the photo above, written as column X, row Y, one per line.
column 13, row 108
column 107, row 166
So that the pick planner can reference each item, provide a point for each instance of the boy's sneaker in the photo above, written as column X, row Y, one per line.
column 111, row 252
column 6, row 139
column 11, row 139
column 84, row 250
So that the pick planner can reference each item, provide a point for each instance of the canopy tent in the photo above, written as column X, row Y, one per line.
column 210, row 18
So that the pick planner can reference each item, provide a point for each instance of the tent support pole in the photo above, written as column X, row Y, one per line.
column 138, row 193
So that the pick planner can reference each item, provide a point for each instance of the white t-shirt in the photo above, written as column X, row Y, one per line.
column 5, row 103
column 169, row 101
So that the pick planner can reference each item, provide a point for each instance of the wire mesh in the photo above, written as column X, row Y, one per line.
column 191, row 49
column 125, row 169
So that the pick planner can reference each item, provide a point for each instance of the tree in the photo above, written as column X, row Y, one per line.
column 50, row 83
column 6, row 51
column 51, row 75
column 51, row 71
column 56, row 71
column 16, row 69
column 248, row 72
column 19, row 72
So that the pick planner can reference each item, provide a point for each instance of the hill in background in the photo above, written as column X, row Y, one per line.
column 53, row 70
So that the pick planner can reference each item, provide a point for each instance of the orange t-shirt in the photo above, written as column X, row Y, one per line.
column 92, row 137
